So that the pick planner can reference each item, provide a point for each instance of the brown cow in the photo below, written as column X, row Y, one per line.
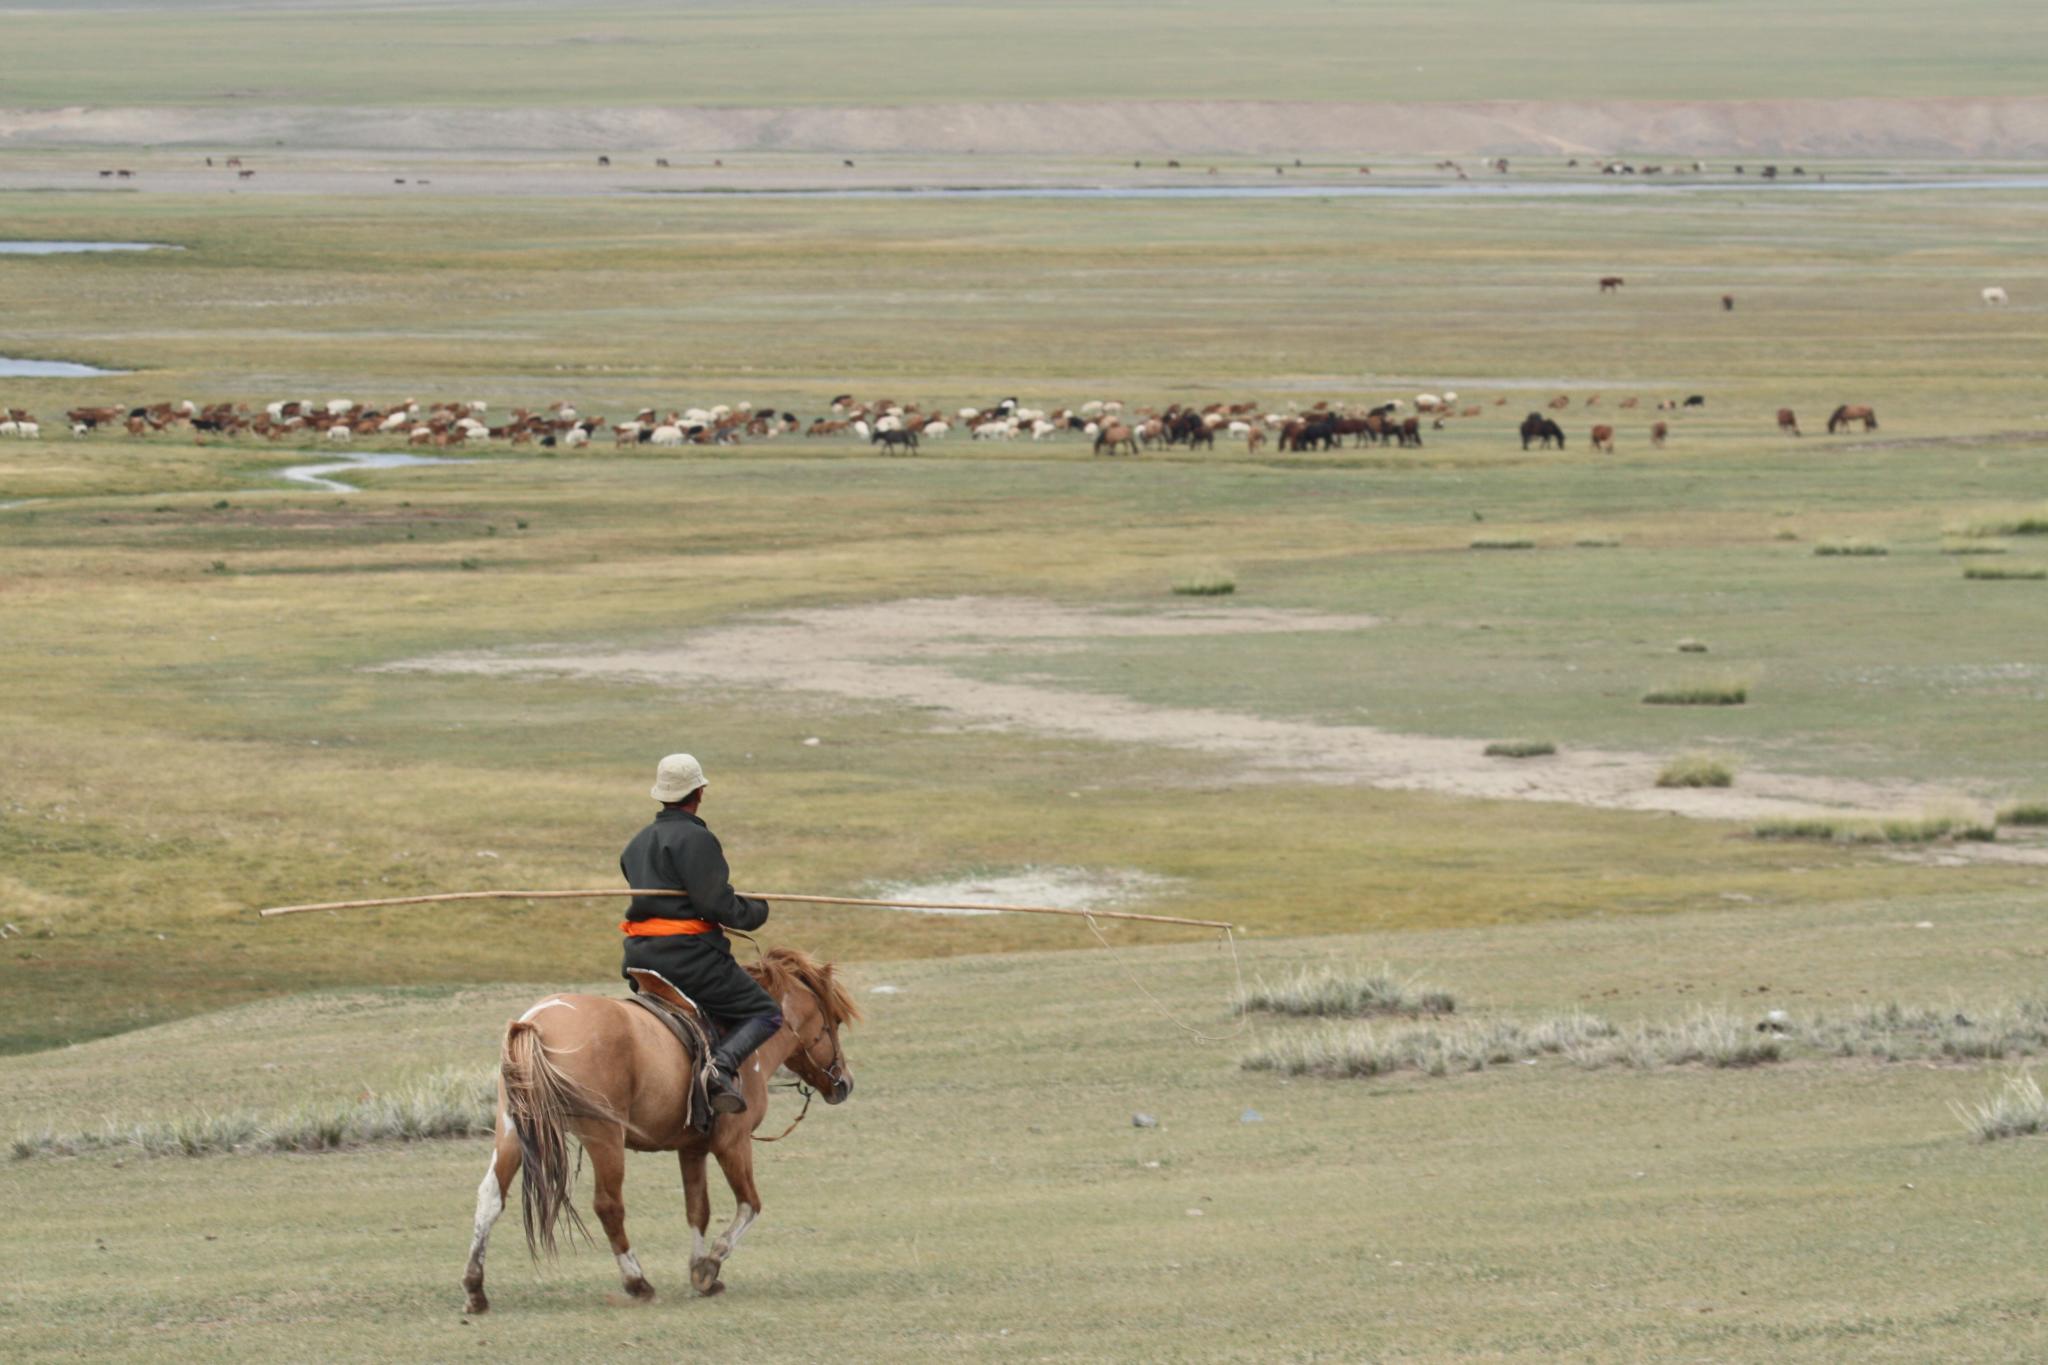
column 1787, row 421
column 1658, row 431
column 1603, row 438
column 1610, row 283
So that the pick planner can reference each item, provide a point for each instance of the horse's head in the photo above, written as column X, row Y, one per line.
column 814, row 1006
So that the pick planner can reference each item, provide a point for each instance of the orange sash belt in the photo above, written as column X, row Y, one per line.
column 662, row 928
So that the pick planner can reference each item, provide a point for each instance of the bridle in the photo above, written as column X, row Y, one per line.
column 836, row 1071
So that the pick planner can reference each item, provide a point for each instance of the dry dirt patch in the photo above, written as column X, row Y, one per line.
column 899, row 653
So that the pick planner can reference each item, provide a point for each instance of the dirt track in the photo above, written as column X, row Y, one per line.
column 899, row 652
column 1995, row 128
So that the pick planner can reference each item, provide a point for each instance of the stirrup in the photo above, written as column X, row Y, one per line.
column 724, row 1092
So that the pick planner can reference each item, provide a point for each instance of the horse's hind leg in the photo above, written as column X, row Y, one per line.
column 490, row 1202
column 608, row 1172
column 697, row 1204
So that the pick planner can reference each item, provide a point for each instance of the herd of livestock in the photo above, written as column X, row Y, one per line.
column 1106, row 424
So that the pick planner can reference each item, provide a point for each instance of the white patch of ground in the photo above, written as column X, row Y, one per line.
column 1057, row 888
column 900, row 653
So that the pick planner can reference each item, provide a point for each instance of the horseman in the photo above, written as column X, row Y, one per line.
column 679, row 852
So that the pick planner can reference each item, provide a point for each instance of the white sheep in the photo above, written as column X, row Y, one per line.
column 1041, row 429
column 339, row 407
column 394, row 421
column 339, row 433
column 861, row 429
column 935, row 429
column 1994, row 297
column 576, row 438
column 667, row 434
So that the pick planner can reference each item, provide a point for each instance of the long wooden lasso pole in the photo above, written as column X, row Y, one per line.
column 614, row 893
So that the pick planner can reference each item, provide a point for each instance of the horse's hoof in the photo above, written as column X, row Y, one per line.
column 641, row 1290
column 704, row 1275
column 478, row 1303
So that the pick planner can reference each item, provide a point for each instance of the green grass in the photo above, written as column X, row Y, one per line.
column 2010, row 521
column 1503, row 543
column 2024, row 813
column 1850, row 548
column 1723, row 693
column 625, row 54
column 2000, row 573
column 1596, row 1175
column 1696, row 770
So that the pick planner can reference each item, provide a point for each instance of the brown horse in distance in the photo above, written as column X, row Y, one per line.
column 609, row 1073
column 1610, row 283
column 1853, row 412
column 1788, row 421
column 1603, row 438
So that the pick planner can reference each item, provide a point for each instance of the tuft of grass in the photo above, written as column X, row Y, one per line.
column 1895, row 829
column 445, row 1104
column 1520, row 748
column 2002, row 572
column 1709, row 1037
column 2016, row 521
column 1786, row 533
column 1696, row 770
column 1210, row 583
column 1597, row 542
column 1503, row 543
column 2031, row 812
column 1974, row 547
column 1850, row 548
column 2016, row 1109
column 472, row 563
column 1726, row 692
column 1332, row 990
column 1692, row 646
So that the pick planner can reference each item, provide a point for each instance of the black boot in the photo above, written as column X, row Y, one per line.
column 731, row 1054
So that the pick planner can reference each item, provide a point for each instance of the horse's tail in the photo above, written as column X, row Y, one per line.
column 539, row 1102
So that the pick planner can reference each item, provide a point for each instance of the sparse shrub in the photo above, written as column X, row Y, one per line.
column 218, row 566
column 1520, row 748
column 2018, row 521
column 2024, row 813
column 1345, row 991
column 222, row 505
column 1974, row 547
column 1896, row 829
column 1724, row 693
column 2003, row 572
column 1502, row 543
column 1786, row 533
column 2016, row 1109
column 1851, row 548
column 1692, row 646
column 1597, row 542
column 1208, row 583
column 521, row 523
column 450, row 1103
column 472, row 563
column 1696, row 770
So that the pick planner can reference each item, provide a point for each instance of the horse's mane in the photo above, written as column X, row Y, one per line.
column 779, row 964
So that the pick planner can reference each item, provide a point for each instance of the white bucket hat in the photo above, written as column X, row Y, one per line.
column 676, row 777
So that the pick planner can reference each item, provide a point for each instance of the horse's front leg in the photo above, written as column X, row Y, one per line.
column 737, row 1161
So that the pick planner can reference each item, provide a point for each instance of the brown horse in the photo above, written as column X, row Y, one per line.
column 611, row 1074
column 1788, row 421
column 1603, row 438
column 1610, row 283
column 1658, row 431
column 1855, row 412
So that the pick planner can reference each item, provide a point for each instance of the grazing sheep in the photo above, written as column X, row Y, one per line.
column 339, row 433
column 1994, row 297
column 667, row 434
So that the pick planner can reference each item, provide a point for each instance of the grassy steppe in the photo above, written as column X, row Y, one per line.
column 985, row 1189
column 186, row 740
column 465, row 53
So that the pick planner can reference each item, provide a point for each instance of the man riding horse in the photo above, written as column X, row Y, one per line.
column 679, row 852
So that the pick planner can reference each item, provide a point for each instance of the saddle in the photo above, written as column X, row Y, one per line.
column 696, row 1031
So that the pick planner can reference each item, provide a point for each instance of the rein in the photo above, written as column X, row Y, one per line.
column 807, row 1093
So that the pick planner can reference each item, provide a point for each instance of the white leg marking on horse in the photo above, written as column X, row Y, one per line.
column 544, row 1005
column 490, row 1202
column 629, row 1268
column 728, row 1243
column 696, row 1244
